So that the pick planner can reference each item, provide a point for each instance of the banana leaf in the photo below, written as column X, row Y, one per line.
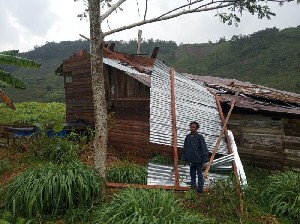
column 11, row 80
column 18, row 61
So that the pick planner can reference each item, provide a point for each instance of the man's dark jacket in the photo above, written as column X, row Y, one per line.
column 195, row 149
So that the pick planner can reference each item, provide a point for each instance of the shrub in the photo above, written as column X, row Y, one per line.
column 4, row 166
column 282, row 193
column 127, row 172
column 145, row 206
column 53, row 189
column 161, row 160
column 56, row 150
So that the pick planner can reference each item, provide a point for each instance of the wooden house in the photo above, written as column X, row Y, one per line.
column 128, row 97
column 265, row 122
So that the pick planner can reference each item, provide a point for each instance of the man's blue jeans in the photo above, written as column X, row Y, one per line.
column 196, row 167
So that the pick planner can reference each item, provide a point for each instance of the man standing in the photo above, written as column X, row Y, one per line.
column 196, row 154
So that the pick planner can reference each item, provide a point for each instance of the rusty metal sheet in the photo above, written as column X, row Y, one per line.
column 254, row 97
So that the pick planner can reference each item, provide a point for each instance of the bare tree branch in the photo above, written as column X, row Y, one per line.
column 182, row 6
column 161, row 18
column 111, row 9
column 84, row 37
column 146, row 8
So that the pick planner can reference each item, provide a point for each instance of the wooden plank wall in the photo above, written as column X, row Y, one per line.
column 130, row 102
column 267, row 141
column 78, row 90
column 130, row 137
column 126, row 97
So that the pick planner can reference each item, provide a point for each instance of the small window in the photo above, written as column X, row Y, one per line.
column 68, row 77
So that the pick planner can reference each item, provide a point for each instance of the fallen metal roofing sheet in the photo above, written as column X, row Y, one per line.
column 193, row 103
column 164, row 175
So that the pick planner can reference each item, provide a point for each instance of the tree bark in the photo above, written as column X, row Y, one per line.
column 100, row 111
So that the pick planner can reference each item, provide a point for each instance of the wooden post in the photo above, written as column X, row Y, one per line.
column 176, row 172
column 239, row 191
column 139, row 41
column 221, row 134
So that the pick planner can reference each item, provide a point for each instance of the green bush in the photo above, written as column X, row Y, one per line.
column 55, row 150
column 4, row 166
column 282, row 193
column 127, row 172
column 146, row 206
column 53, row 189
column 161, row 160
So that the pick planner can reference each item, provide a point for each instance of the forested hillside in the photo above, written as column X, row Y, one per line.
column 269, row 57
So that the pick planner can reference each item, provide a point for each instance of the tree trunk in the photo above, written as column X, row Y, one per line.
column 100, row 111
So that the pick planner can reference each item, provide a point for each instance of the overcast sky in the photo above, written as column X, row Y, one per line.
column 26, row 23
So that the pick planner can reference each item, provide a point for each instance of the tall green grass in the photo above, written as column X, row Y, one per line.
column 161, row 159
column 127, row 172
column 282, row 193
column 53, row 189
column 146, row 206
column 56, row 150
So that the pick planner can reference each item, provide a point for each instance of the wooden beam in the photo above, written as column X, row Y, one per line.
column 144, row 186
column 221, row 135
column 123, row 58
column 239, row 191
column 176, row 171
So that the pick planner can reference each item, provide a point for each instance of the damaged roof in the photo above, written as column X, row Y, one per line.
column 253, row 97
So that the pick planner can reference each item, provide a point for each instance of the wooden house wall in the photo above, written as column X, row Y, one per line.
column 78, row 90
column 130, row 103
column 128, row 98
column 267, row 141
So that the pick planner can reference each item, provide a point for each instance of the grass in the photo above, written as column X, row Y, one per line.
column 222, row 202
column 282, row 193
column 161, row 160
column 146, row 206
column 127, row 172
column 53, row 189
column 29, row 113
column 56, row 150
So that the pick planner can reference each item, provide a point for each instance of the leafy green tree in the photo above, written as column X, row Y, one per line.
column 7, row 79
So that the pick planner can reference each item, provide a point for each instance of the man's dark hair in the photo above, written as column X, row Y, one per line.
column 195, row 123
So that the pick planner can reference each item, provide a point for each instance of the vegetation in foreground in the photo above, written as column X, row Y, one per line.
column 127, row 172
column 53, row 189
column 57, row 192
column 146, row 206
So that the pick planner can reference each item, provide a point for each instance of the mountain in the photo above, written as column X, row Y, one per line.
column 269, row 57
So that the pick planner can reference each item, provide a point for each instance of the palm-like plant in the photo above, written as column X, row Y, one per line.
column 7, row 79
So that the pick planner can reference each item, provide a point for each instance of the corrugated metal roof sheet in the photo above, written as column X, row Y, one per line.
column 193, row 103
column 131, row 71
